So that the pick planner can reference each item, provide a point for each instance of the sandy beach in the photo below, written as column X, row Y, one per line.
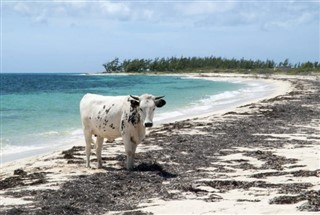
column 261, row 157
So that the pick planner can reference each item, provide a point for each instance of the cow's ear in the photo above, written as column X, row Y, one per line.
column 160, row 102
column 134, row 103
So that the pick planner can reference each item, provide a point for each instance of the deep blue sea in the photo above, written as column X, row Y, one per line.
column 42, row 110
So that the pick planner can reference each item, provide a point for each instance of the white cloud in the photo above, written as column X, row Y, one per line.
column 203, row 8
column 56, row 9
column 126, row 11
column 41, row 18
column 289, row 22
column 291, row 15
column 35, row 13
column 268, row 15
column 115, row 9
column 24, row 9
column 148, row 14
column 71, row 4
column 60, row 11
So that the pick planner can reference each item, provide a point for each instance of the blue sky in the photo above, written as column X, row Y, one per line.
column 79, row 36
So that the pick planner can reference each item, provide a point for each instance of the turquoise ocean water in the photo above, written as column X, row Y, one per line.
column 42, row 110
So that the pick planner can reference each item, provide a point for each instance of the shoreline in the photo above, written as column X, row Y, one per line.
column 278, row 88
column 258, row 158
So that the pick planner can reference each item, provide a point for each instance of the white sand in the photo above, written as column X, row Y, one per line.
column 308, row 156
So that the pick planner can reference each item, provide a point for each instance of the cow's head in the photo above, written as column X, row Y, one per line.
column 146, row 105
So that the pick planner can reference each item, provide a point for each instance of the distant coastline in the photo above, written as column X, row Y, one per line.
column 209, row 64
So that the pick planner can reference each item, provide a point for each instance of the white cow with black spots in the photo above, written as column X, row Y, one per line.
column 117, row 116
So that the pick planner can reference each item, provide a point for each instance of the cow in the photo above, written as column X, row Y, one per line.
column 111, row 117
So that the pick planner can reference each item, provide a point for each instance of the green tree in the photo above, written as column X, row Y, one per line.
column 113, row 66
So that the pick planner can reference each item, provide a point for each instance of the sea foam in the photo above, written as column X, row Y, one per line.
column 252, row 90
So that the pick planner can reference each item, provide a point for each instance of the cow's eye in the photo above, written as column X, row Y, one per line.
column 141, row 110
column 154, row 109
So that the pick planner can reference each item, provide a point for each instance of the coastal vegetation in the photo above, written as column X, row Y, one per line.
column 207, row 64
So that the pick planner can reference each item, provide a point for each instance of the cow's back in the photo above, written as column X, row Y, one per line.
column 102, row 114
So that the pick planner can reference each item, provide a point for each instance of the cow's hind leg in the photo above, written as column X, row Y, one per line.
column 88, row 139
column 130, row 148
column 99, row 143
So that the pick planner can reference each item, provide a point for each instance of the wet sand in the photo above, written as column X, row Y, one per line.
column 260, row 158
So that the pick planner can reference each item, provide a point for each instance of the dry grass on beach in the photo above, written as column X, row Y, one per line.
column 261, row 158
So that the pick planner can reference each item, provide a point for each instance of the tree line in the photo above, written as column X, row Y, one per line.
column 183, row 64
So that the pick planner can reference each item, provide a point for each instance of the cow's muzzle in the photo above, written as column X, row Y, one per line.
column 148, row 124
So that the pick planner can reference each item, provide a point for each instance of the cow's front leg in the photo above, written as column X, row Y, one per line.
column 130, row 148
column 99, row 143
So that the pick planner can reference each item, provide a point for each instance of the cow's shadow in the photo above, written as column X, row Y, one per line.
column 145, row 167
column 154, row 167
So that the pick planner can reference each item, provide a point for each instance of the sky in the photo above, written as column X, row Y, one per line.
column 79, row 36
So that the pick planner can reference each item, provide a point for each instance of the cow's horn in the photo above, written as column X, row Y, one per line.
column 158, row 97
column 135, row 97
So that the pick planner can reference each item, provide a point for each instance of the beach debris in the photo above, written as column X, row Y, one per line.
column 22, row 178
column 19, row 172
column 286, row 199
column 313, row 204
column 73, row 155
column 271, row 161
column 312, row 197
